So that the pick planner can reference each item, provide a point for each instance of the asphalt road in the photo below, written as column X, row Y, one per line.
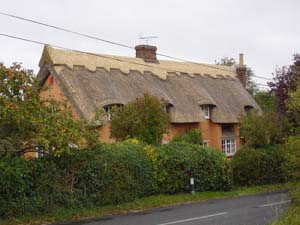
column 247, row 210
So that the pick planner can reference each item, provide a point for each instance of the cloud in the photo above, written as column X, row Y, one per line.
column 203, row 31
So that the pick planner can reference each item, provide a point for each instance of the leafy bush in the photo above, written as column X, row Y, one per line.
column 295, row 195
column 209, row 168
column 192, row 136
column 143, row 119
column 116, row 173
column 108, row 174
column 259, row 166
column 293, row 150
column 264, row 129
column 28, row 186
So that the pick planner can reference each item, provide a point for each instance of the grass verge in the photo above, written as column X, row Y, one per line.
column 292, row 215
column 63, row 214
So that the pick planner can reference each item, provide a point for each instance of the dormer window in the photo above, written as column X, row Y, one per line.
column 206, row 111
column 108, row 108
column 167, row 108
column 248, row 108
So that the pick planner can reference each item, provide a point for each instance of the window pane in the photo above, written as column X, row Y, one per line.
column 206, row 111
column 228, row 146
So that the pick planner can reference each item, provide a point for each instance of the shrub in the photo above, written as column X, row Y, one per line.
column 143, row 119
column 192, row 136
column 108, row 174
column 28, row 186
column 116, row 173
column 259, row 166
column 295, row 195
column 293, row 150
column 209, row 168
column 263, row 129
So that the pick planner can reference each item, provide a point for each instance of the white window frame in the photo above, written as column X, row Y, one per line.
column 167, row 108
column 229, row 146
column 205, row 143
column 206, row 111
column 164, row 142
column 107, row 109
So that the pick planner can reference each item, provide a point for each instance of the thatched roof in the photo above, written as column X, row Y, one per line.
column 91, row 81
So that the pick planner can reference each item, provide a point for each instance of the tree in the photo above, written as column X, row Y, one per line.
column 143, row 119
column 266, row 100
column 293, row 145
column 293, row 109
column 27, row 121
column 251, row 86
column 286, row 80
column 192, row 136
column 225, row 61
column 262, row 129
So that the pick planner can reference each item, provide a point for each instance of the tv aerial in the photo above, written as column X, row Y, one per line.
column 147, row 38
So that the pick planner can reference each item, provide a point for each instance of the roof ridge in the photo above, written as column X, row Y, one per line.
column 125, row 63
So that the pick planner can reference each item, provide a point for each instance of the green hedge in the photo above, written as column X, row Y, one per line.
column 295, row 194
column 266, row 165
column 209, row 167
column 115, row 173
column 108, row 174
column 28, row 186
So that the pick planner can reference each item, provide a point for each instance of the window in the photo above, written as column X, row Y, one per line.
column 248, row 109
column 164, row 142
column 228, row 146
column 205, row 143
column 167, row 108
column 39, row 152
column 53, row 108
column 108, row 108
column 206, row 111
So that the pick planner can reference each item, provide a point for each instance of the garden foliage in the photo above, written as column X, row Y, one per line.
column 107, row 174
column 267, row 165
column 27, row 120
column 177, row 161
column 192, row 136
column 143, row 119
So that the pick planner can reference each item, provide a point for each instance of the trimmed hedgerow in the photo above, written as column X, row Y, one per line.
column 209, row 168
column 116, row 173
column 108, row 174
column 28, row 186
column 266, row 165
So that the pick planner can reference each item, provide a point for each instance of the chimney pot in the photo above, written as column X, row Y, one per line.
column 241, row 59
column 146, row 52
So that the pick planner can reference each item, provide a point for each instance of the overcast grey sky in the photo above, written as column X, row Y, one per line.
column 266, row 31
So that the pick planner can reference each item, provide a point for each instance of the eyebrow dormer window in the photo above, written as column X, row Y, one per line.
column 108, row 109
column 248, row 108
column 167, row 108
column 206, row 111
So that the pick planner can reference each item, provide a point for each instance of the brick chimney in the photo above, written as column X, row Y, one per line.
column 146, row 52
column 241, row 70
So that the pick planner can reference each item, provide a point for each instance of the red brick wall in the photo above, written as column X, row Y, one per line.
column 52, row 90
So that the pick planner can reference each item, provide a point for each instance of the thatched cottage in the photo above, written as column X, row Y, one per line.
column 211, row 98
